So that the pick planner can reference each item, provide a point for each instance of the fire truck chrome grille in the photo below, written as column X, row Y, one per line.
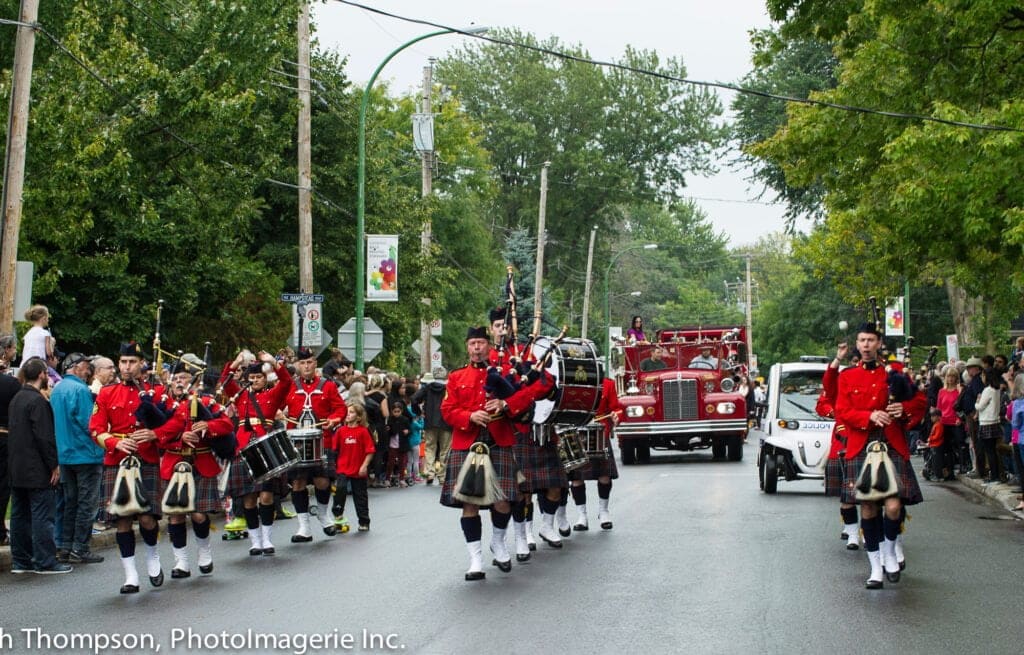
column 680, row 399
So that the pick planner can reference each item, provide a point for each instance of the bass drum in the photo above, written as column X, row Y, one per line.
column 577, row 371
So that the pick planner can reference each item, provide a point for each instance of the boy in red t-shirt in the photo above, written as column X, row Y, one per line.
column 355, row 452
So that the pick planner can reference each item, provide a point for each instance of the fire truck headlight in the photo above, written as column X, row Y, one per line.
column 728, row 385
column 725, row 408
column 634, row 411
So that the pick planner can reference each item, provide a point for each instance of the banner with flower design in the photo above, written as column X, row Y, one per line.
column 382, row 267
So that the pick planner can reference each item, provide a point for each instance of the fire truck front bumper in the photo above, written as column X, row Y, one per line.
column 726, row 427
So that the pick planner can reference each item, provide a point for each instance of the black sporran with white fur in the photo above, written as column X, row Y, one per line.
column 477, row 482
column 877, row 479
column 129, row 498
column 180, row 496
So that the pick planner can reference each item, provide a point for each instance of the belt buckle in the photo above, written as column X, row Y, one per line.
column 186, row 451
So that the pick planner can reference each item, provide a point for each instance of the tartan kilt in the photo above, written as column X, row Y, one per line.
column 906, row 480
column 240, row 483
column 207, row 494
column 504, row 467
column 597, row 468
column 540, row 466
column 150, row 484
column 993, row 431
column 834, row 477
column 310, row 472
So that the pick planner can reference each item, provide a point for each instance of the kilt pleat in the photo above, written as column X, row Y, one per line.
column 993, row 431
column 906, row 480
column 207, row 495
column 540, row 466
column 597, row 468
column 834, row 477
column 150, row 475
column 504, row 467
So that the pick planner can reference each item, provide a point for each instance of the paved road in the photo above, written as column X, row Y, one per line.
column 699, row 562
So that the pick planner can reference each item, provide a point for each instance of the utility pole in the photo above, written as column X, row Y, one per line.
column 586, row 289
column 539, row 276
column 750, row 323
column 304, row 163
column 14, row 161
column 427, row 234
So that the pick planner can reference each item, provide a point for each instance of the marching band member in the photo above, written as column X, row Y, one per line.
column 188, row 438
column 255, row 407
column 313, row 400
column 474, row 416
column 602, row 470
column 834, row 464
column 115, row 427
column 864, row 408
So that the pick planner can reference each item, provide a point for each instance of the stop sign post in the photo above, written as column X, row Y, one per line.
column 373, row 340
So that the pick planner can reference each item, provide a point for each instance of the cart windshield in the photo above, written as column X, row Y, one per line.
column 798, row 394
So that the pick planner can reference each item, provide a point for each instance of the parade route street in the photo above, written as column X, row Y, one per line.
column 699, row 561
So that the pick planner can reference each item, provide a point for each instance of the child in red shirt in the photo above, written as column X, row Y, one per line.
column 355, row 452
column 935, row 440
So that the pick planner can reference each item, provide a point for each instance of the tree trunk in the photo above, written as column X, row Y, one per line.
column 965, row 312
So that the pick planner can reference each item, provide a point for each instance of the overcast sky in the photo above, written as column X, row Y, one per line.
column 710, row 37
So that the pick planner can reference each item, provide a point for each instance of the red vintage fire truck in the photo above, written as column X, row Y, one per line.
column 688, row 398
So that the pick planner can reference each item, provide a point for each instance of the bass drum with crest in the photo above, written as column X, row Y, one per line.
column 577, row 371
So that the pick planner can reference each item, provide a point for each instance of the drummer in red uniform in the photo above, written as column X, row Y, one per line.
column 115, row 427
column 187, row 437
column 864, row 409
column 474, row 416
column 834, row 463
column 255, row 408
column 313, row 401
column 602, row 470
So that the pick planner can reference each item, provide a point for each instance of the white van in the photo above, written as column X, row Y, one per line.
column 795, row 440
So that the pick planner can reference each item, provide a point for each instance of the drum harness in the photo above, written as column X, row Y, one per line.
column 308, row 419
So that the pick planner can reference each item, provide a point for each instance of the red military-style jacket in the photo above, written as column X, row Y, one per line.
column 113, row 419
column 863, row 390
column 271, row 399
column 826, row 407
column 175, row 450
column 609, row 404
column 325, row 401
column 465, row 394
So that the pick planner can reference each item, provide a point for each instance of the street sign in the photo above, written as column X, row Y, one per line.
column 434, row 345
column 302, row 298
column 312, row 325
column 435, row 327
column 435, row 359
column 373, row 339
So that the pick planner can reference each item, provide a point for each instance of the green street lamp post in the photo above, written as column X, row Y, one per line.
column 361, row 183
column 607, row 311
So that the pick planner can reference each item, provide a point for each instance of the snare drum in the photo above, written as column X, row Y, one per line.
column 594, row 440
column 576, row 368
column 570, row 449
column 269, row 456
column 309, row 444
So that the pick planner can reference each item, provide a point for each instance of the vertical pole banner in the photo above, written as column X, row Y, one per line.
column 382, row 267
column 894, row 317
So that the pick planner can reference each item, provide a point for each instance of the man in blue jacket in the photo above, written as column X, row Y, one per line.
column 81, row 460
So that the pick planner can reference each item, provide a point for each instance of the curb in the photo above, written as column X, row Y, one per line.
column 1001, row 495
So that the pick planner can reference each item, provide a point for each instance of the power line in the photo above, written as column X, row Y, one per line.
column 672, row 78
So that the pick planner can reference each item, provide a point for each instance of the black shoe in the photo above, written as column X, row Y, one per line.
column 523, row 558
column 76, row 557
column 300, row 539
column 892, row 577
column 852, row 547
column 503, row 566
column 553, row 544
column 178, row 573
column 472, row 576
column 903, row 565
column 255, row 552
column 129, row 589
column 269, row 552
column 207, row 569
column 607, row 525
column 579, row 527
column 873, row 584
column 533, row 546
column 565, row 533
column 157, row 580
column 330, row 530
column 62, row 555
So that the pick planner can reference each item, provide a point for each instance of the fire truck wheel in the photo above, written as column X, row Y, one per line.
column 718, row 448
column 771, row 474
column 628, row 451
column 735, row 448
column 643, row 454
